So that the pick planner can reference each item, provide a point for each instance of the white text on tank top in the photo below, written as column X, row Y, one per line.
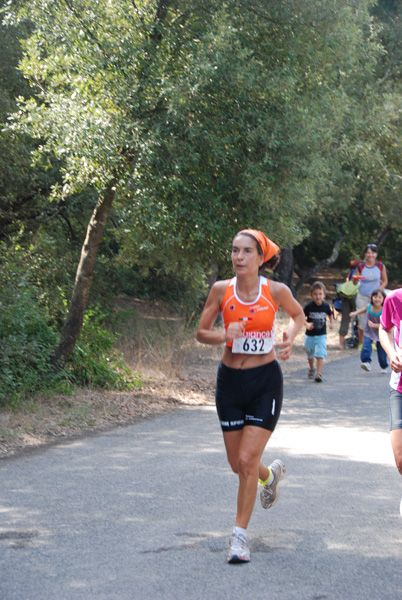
column 254, row 342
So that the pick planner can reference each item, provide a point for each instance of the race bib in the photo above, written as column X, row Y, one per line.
column 255, row 342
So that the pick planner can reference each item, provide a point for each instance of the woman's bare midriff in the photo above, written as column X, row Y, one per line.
column 246, row 361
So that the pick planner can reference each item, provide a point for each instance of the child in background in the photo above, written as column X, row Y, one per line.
column 315, row 340
column 374, row 311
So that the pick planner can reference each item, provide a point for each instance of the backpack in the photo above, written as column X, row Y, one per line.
column 361, row 265
column 347, row 289
column 337, row 300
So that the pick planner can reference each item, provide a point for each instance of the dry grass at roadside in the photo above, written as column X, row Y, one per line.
column 176, row 369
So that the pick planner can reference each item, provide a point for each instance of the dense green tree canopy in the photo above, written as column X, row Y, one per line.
column 366, row 183
column 175, row 123
column 205, row 119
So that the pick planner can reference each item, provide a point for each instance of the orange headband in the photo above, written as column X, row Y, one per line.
column 269, row 248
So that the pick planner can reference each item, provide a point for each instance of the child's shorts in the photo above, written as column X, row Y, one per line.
column 316, row 346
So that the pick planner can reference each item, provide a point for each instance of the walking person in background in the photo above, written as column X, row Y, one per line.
column 249, row 386
column 373, row 275
column 347, row 291
column 371, row 330
column 315, row 340
column 391, row 340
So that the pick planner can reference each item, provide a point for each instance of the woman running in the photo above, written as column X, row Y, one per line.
column 249, row 385
column 390, row 334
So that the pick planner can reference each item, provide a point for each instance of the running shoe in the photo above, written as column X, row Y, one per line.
column 270, row 493
column 366, row 366
column 238, row 548
column 385, row 370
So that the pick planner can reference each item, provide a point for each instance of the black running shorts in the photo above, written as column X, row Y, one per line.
column 249, row 396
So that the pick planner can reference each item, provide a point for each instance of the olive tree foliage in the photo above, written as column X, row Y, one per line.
column 366, row 183
column 86, row 60
column 18, row 195
column 253, row 130
column 383, row 186
column 190, row 120
column 388, row 15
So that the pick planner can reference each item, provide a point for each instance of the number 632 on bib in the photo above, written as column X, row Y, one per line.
column 253, row 345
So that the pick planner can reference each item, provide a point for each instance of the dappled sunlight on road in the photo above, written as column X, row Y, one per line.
column 349, row 443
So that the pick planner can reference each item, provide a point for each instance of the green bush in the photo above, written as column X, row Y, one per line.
column 27, row 341
column 95, row 361
column 28, row 335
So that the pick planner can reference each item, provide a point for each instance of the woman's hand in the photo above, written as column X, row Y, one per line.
column 284, row 348
column 234, row 330
column 283, row 298
column 396, row 363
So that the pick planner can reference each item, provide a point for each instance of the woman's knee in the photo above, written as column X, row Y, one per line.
column 234, row 464
column 247, row 463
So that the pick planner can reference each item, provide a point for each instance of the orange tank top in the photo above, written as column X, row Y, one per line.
column 258, row 316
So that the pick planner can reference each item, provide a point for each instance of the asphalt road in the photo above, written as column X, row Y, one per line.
column 145, row 511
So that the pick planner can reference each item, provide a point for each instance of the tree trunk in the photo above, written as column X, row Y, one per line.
column 303, row 277
column 83, row 280
column 383, row 234
column 284, row 271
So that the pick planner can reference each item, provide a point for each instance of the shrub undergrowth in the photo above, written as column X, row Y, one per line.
column 95, row 360
column 27, row 341
column 28, row 336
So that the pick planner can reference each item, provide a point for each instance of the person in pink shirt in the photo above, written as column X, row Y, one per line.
column 391, row 340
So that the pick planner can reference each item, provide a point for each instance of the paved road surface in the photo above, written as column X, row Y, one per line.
column 145, row 511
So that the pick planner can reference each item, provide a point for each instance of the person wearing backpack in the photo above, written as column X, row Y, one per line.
column 347, row 291
column 373, row 275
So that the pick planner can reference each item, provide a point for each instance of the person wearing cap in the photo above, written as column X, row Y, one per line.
column 249, row 385
column 373, row 275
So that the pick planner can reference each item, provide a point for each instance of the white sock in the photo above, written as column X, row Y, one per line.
column 238, row 530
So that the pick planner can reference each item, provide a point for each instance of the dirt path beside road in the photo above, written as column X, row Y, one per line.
column 191, row 381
